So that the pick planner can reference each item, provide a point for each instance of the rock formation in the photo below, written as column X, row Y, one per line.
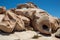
column 57, row 34
column 2, row 9
column 27, row 16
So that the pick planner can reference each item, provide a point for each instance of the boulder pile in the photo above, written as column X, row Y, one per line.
column 28, row 17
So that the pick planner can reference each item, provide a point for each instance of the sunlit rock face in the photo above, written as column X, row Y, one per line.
column 57, row 34
column 28, row 15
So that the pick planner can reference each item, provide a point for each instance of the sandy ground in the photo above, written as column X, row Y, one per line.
column 25, row 35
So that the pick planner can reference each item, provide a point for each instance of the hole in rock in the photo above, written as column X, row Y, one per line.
column 45, row 27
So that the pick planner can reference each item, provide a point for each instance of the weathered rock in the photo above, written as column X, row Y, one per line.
column 1, row 17
column 30, row 15
column 54, row 23
column 57, row 34
column 19, row 12
column 26, row 12
column 31, row 5
column 19, row 22
column 26, row 6
column 25, row 19
column 41, row 23
column 6, row 17
column 39, row 16
column 20, row 6
column 59, row 21
column 13, row 10
column 2, row 10
column 7, row 26
column 29, row 12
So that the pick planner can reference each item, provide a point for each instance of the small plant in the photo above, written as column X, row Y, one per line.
column 36, row 36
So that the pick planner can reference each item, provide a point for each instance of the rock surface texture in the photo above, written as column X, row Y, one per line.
column 28, row 22
column 57, row 34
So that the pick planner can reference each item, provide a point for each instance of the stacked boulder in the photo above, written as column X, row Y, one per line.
column 27, row 17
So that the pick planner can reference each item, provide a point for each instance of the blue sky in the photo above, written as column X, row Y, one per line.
column 51, row 6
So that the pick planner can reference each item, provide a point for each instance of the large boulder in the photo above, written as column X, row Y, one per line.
column 39, row 17
column 41, row 22
column 30, row 15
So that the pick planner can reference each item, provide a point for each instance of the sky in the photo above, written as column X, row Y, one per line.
column 51, row 6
